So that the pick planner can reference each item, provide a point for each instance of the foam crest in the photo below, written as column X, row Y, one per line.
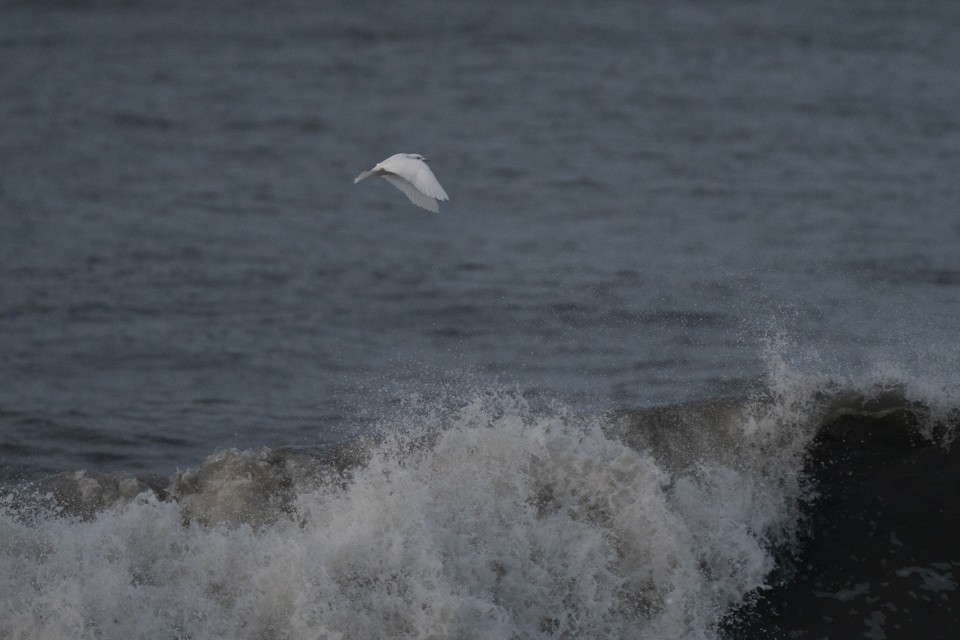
column 484, row 519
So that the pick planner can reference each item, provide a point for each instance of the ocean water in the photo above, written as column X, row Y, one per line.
column 241, row 396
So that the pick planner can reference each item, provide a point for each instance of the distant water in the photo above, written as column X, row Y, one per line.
column 241, row 396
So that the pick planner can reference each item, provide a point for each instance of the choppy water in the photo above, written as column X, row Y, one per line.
column 650, row 205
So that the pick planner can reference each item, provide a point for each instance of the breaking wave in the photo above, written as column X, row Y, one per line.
column 471, row 517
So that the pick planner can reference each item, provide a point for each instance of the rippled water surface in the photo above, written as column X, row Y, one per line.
column 640, row 197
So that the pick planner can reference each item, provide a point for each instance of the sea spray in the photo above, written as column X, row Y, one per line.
column 486, row 518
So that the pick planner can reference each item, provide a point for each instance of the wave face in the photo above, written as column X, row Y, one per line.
column 473, row 517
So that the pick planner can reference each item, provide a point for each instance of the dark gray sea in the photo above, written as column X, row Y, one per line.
column 746, row 206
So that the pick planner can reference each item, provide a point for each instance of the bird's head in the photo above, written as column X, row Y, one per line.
column 417, row 156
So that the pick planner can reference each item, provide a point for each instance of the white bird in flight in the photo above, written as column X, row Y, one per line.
column 409, row 173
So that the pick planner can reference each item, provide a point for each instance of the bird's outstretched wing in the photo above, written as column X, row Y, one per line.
column 416, row 196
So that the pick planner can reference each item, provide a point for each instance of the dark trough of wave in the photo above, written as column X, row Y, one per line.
column 879, row 556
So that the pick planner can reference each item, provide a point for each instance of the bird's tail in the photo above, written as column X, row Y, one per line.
column 362, row 176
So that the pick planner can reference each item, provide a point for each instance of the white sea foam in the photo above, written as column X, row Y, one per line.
column 488, row 520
